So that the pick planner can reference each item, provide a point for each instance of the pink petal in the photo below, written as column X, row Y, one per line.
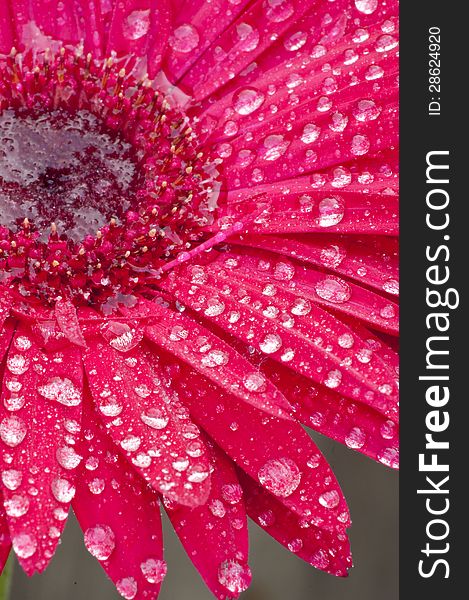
column 298, row 206
column 7, row 29
column 146, row 421
column 289, row 329
column 215, row 535
column 259, row 269
column 273, row 451
column 40, row 422
column 198, row 25
column 328, row 550
column 212, row 357
column 5, row 542
column 240, row 45
column 356, row 425
column 371, row 261
column 67, row 319
column 119, row 514
column 6, row 333
column 140, row 29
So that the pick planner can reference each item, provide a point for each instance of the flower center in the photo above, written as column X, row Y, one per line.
column 102, row 186
column 65, row 169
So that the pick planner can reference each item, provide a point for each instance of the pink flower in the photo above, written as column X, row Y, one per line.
column 197, row 253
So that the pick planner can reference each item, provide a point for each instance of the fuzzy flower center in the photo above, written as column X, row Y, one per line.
column 102, row 184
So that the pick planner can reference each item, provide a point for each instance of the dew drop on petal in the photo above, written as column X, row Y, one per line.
column 155, row 417
column 280, row 476
column 366, row 110
column 345, row 340
column 100, row 541
column 63, row 490
column 24, row 545
column 61, row 390
column 329, row 499
column 12, row 431
column 184, row 39
column 355, row 439
column 367, row 7
column 12, row 479
column 247, row 100
column 16, row 506
column 333, row 290
column 333, row 379
column 67, row 457
column 154, row 570
column 310, row 133
column 331, row 212
column 389, row 457
column 232, row 493
column 271, row 343
column 127, row 588
column 137, row 24
column 360, row 145
column 254, row 382
column 388, row 430
column 391, row 286
column 17, row 364
column 234, row 576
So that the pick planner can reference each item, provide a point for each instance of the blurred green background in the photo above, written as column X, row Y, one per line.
column 372, row 494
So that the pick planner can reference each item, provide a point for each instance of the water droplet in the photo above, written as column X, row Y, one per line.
column 16, row 506
column 12, row 479
column 296, row 41
column 17, row 364
column 271, row 343
column 232, row 493
column 295, row 545
column 254, row 382
column 121, row 336
column 127, row 588
column 388, row 430
column 331, row 211
column 266, row 518
column 301, row 307
column 346, row 340
column 137, row 24
column 391, row 286
column 389, row 457
column 110, row 407
column 217, row 508
column 154, row 570
column 215, row 358
column 100, row 541
column 385, row 43
column 234, row 576
column 61, row 390
column 249, row 37
column 367, row 7
column 388, row 312
column 22, row 343
column 280, row 476
column 96, row 486
column 12, row 431
column 197, row 474
column 333, row 290
column 184, row 39
column 355, row 439
column 156, row 417
column 329, row 499
column 24, row 545
column 360, row 145
column 63, row 490
column 310, row 133
column 67, row 457
column 366, row 110
column 247, row 100
column 131, row 443
column 333, row 379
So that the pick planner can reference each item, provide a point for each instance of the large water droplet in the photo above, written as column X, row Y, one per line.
column 356, row 438
column 63, row 490
column 184, row 39
column 12, row 431
column 331, row 211
column 247, row 100
column 100, row 541
column 127, row 588
column 333, row 290
column 280, row 476
column 234, row 576
column 156, row 417
column 24, row 545
column 271, row 343
column 329, row 499
column 367, row 7
column 154, row 570
column 61, row 390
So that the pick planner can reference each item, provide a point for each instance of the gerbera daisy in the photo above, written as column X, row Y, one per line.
column 198, row 209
